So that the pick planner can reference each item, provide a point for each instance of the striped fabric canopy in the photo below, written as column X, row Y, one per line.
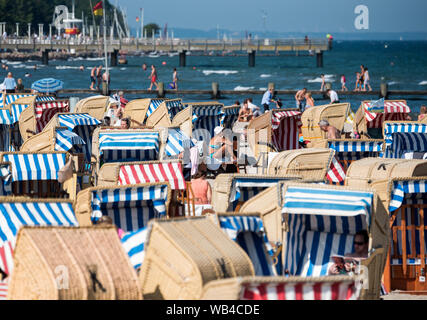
column 336, row 173
column 337, row 290
column 66, row 139
column 128, row 146
column 133, row 243
column 356, row 150
column 154, row 104
column 130, row 208
column 17, row 110
column 285, row 126
column 14, row 215
column 249, row 233
column 404, row 142
column 229, row 116
column 45, row 98
column 176, row 143
column 356, row 146
column 208, row 110
column 371, row 109
column 41, row 166
column 77, row 119
column 153, row 172
column 400, row 188
column 208, row 117
column 11, row 98
column 408, row 127
column 174, row 106
column 5, row 117
column 330, row 202
column 245, row 188
column 46, row 111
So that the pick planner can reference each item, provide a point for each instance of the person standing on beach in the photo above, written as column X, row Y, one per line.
column 267, row 98
column 174, row 83
column 309, row 101
column 333, row 96
column 343, row 87
column 9, row 83
column 153, row 77
column 300, row 99
column 366, row 80
column 322, row 87
column 93, row 78
column 20, row 86
column 99, row 76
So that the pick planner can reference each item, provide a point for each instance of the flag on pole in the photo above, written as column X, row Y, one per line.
column 97, row 9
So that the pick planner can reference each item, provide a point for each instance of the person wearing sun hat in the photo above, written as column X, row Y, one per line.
column 219, row 146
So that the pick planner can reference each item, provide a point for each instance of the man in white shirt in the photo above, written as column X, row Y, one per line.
column 333, row 96
column 255, row 109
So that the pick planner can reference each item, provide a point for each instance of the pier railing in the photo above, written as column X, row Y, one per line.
column 82, row 43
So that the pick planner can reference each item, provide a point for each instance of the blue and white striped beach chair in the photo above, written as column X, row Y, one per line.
column 18, row 212
column 408, row 252
column 248, row 231
column 392, row 127
column 208, row 115
column 322, row 221
column 125, row 146
column 81, row 124
column 177, row 141
column 130, row 207
column 35, row 174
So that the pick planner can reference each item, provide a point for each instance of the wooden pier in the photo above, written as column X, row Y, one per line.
column 181, row 46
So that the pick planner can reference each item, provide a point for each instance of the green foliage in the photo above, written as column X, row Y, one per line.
column 151, row 27
column 41, row 11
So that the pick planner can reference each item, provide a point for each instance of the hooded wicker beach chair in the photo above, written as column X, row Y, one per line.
column 53, row 139
column 126, row 145
column 405, row 139
column 402, row 186
column 35, row 174
column 17, row 212
column 137, row 110
column 310, row 164
column 282, row 288
column 369, row 118
column 182, row 255
column 81, row 124
column 33, row 119
column 335, row 114
column 55, row 263
column 95, row 106
column 276, row 130
column 321, row 221
column 127, row 173
column 163, row 114
column 230, row 191
column 129, row 206
column 230, row 116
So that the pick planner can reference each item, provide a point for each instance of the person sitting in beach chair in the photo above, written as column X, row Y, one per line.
column 220, row 147
column 346, row 264
column 332, row 132
column 245, row 114
column 201, row 187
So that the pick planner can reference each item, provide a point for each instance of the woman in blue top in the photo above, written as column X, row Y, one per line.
column 9, row 83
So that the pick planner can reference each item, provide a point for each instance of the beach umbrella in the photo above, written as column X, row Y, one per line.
column 47, row 85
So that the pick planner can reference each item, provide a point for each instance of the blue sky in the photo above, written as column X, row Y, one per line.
column 282, row 15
